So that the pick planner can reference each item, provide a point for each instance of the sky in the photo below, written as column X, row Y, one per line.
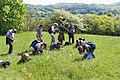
column 47, row 2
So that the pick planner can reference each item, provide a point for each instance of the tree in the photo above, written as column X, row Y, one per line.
column 12, row 14
column 99, row 24
column 64, row 17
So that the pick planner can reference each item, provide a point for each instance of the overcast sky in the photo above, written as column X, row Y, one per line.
column 46, row 2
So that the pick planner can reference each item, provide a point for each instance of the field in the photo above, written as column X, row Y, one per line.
column 63, row 64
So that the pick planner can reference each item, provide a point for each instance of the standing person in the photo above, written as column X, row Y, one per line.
column 39, row 33
column 71, row 31
column 10, row 39
column 61, row 30
column 52, row 30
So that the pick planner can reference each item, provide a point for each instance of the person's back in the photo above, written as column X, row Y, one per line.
column 50, row 30
column 34, row 43
column 92, row 46
column 89, row 47
column 71, row 28
column 55, row 46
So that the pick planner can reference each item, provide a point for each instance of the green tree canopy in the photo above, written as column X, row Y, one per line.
column 12, row 14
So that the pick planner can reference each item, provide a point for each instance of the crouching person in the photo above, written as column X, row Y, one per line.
column 38, row 46
column 55, row 46
column 24, row 57
column 5, row 64
column 87, row 49
column 78, row 41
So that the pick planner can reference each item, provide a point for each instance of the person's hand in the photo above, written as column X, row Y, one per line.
column 12, row 39
column 56, row 29
column 81, row 53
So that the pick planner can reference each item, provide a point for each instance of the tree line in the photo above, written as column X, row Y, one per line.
column 15, row 14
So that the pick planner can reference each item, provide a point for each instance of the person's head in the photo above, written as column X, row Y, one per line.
column 82, row 38
column 81, row 49
column 41, row 26
column 81, row 42
column 55, row 24
column 14, row 30
column 58, row 45
column 44, row 45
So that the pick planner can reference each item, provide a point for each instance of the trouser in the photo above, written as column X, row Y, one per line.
column 61, row 38
column 71, row 35
column 10, row 42
column 53, row 38
column 39, row 38
column 10, row 48
column 88, row 56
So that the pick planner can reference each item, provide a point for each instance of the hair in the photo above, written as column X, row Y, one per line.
column 14, row 30
column 40, row 26
column 45, row 45
column 8, row 62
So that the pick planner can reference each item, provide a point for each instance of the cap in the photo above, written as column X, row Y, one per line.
column 56, row 24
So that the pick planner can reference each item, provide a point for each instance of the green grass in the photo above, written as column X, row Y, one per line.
column 64, row 64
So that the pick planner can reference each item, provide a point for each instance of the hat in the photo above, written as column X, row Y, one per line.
column 56, row 24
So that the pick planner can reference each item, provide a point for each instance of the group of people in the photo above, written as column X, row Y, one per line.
column 61, row 29
column 38, row 44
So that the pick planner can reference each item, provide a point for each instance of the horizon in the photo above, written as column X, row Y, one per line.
column 52, row 2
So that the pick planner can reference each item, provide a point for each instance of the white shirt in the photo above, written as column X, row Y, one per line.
column 10, row 34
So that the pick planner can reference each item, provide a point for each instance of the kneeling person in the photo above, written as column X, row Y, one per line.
column 4, row 64
column 55, row 46
column 38, row 46
column 87, row 49
column 24, row 57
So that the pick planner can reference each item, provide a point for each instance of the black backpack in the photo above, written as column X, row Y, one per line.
column 50, row 30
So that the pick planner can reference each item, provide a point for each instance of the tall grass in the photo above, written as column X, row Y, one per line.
column 63, row 64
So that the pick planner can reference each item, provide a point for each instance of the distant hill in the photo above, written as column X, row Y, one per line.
column 116, row 4
column 79, row 8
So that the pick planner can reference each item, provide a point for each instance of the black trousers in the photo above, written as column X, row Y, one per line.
column 71, row 35
column 10, row 42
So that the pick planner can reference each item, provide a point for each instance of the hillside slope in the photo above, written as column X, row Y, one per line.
column 63, row 64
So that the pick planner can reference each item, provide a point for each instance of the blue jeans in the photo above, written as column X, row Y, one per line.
column 88, row 56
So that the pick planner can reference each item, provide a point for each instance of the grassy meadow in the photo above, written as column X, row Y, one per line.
column 63, row 64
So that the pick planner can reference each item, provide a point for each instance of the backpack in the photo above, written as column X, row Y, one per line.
column 34, row 43
column 25, row 56
column 92, row 45
column 50, row 30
